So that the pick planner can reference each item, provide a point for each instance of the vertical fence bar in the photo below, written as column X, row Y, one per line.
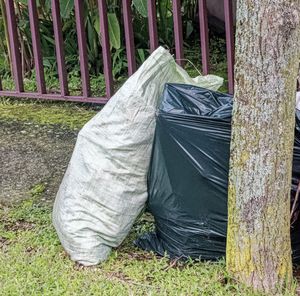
column 152, row 24
column 60, row 55
column 178, row 31
column 229, row 43
column 105, row 48
column 1, row 88
column 14, row 45
column 36, row 46
column 204, row 36
column 81, row 37
column 129, row 37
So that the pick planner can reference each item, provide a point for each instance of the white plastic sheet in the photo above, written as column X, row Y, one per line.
column 104, row 188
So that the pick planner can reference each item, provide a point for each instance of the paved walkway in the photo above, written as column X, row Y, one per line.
column 31, row 154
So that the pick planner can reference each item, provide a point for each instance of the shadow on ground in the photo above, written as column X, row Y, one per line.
column 32, row 154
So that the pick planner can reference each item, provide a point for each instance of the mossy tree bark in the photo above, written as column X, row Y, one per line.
column 267, row 61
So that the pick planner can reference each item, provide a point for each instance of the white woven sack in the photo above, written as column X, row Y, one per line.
column 104, row 188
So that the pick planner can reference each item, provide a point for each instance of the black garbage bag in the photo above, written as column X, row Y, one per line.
column 295, row 204
column 188, row 176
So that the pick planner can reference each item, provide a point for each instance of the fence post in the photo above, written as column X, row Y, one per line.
column 129, row 37
column 152, row 24
column 204, row 36
column 36, row 46
column 14, row 46
column 60, row 55
column 105, row 48
column 229, row 43
column 178, row 31
column 81, row 38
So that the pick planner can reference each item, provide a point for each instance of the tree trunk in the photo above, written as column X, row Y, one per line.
column 267, row 59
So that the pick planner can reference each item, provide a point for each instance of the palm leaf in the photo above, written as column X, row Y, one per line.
column 141, row 7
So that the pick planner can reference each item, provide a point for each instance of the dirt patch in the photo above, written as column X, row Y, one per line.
column 19, row 225
column 31, row 154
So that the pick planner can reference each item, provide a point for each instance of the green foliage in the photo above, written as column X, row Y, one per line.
column 91, row 21
column 119, row 63
column 92, row 28
column 141, row 7
column 114, row 31
column 66, row 8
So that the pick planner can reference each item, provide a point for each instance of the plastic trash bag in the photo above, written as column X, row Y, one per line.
column 104, row 188
column 188, row 175
column 295, row 203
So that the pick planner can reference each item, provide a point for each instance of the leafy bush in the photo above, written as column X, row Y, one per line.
column 92, row 28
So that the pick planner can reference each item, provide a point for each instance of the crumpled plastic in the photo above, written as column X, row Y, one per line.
column 188, row 175
column 105, row 186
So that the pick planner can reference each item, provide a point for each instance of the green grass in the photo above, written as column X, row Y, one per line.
column 33, row 262
column 68, row 115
